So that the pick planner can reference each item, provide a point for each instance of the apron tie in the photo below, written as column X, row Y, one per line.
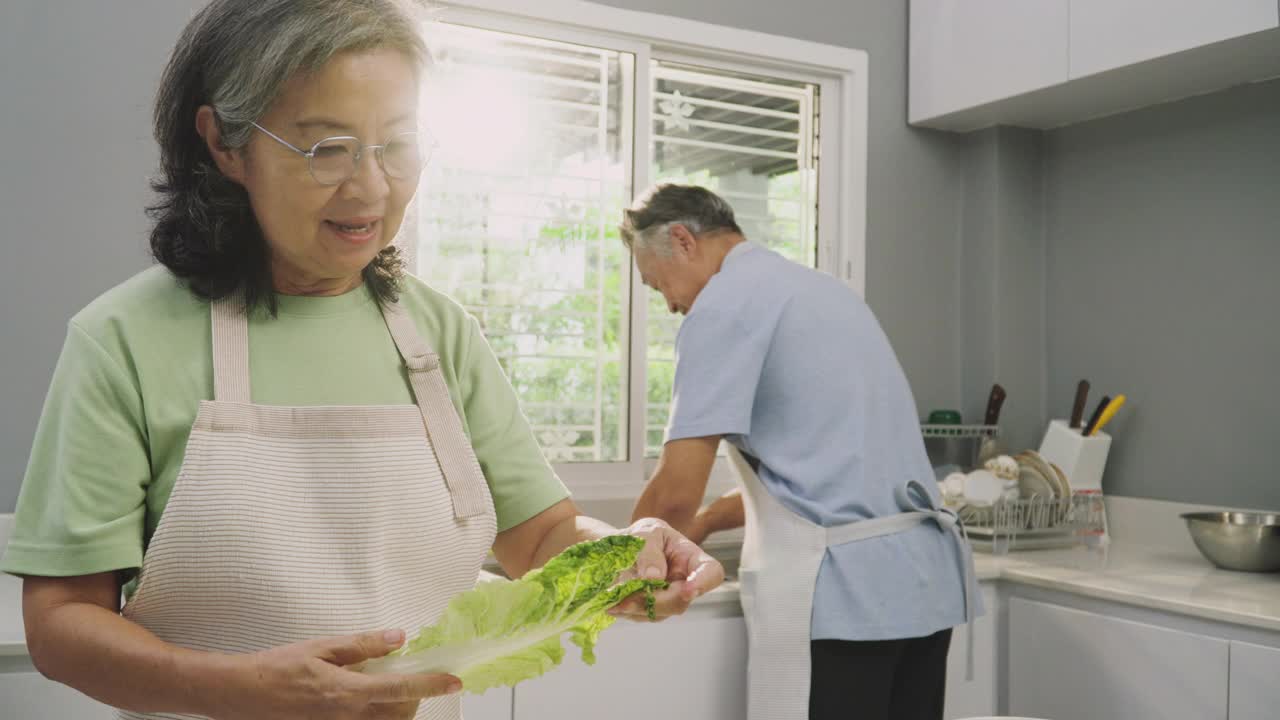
column 908, row 500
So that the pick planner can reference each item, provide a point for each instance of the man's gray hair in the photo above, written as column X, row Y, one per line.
column 253, row 47
column 647, row 224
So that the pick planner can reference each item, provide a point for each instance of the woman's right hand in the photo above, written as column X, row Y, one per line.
column 315, row 680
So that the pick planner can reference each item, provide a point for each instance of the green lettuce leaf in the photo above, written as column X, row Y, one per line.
column 502, row 632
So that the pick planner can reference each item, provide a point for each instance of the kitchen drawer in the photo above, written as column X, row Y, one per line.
column 1070, row 664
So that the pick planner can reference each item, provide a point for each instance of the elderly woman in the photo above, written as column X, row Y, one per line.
column 283, row 448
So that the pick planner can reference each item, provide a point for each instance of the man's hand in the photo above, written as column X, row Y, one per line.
column 671, row 556
column 723, row 513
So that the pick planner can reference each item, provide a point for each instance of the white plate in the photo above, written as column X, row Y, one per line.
column 1031, row 483
column 981, row 487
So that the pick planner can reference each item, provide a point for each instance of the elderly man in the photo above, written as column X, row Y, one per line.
column 851, row 577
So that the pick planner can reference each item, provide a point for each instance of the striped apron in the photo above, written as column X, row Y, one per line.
column 292, row 523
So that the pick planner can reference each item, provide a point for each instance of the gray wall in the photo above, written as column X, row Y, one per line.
column 78, row 79
column 1002, row 281
column 1163, row 283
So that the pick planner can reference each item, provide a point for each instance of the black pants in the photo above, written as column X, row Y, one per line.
column 880, row 679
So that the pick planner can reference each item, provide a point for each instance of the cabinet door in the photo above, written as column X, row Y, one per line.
column 1106, row 34
column 689, row 667
column 1072, row 665
column 976, row 697
column 493, row 705
column 1255, row 695
column 29, row 695
column 966, row 53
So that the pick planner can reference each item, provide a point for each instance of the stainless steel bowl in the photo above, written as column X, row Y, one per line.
column 1237, row 540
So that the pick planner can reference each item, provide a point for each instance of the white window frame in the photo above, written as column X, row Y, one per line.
column 840, row 73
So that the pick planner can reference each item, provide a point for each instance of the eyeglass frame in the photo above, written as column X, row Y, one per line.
column 355, row 162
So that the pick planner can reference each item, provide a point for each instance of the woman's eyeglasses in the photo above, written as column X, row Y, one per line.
column 334, row 160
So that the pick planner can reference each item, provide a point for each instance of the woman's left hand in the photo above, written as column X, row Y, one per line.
column 671, row 556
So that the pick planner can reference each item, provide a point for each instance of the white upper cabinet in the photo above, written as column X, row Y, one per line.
column 1047, row 63
column 1109, row 34
column 971, row 52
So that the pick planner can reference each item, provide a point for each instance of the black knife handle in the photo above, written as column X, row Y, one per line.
column 994, row 402
column 1077, row 409
column 1097, row 414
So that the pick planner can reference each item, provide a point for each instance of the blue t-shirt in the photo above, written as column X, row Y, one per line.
column 792, row 367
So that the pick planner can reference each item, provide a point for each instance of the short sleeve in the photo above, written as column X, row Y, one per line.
column 520, row 479
column 81, row 508
column 718, row 364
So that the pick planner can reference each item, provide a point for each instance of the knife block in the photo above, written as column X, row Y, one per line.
column 1081, row 458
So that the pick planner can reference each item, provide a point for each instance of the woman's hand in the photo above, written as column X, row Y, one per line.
column 316, row 680
column 671, row 556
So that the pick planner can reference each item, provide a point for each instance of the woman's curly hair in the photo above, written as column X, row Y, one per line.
column 235, row 55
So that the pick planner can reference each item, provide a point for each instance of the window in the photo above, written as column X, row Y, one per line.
column 751, row 140
column 544, row 137
column 517, row 221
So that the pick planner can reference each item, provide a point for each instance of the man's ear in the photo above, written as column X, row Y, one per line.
column 682, row 240
column 230, row 162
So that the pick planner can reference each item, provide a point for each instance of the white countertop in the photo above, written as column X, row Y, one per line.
column 1172, row 580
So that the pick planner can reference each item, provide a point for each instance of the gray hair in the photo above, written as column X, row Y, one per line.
column 253, row 47
column 647, row 224
column 236, row 55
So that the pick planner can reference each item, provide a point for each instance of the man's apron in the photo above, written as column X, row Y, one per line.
column 293, row 523
column 781, row 555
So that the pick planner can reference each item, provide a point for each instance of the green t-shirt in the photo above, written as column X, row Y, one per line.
column 138, row 360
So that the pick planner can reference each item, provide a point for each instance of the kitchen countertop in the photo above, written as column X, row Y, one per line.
column 1158, row 578
column 1172, row 580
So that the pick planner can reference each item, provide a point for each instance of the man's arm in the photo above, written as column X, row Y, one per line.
column 674, row 493
column 723, row 513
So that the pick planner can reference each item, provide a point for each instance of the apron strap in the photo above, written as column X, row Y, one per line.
column 230, row 327
column 908, row 497
column 918, row 508
column 457, row 460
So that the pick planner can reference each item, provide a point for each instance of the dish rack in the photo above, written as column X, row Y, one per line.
column 956, row 445
column 1037, row 523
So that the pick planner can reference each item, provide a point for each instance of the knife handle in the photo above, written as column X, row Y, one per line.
column 1077, row 409
column 1110, row 412
column 994, row 402
column 1097, row 415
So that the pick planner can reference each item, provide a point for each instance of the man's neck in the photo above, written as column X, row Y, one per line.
column 721, row 245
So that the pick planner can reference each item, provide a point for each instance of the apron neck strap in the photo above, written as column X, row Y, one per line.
column 458, row 462
column 230, row 350
column 230, row 324
column 414, row 351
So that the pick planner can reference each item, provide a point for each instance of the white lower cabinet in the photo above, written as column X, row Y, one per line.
column 976, row 697
column 496, row 704
column 31, row 696
column 1069, row 664
column 694, row 666
column 1255, row 692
